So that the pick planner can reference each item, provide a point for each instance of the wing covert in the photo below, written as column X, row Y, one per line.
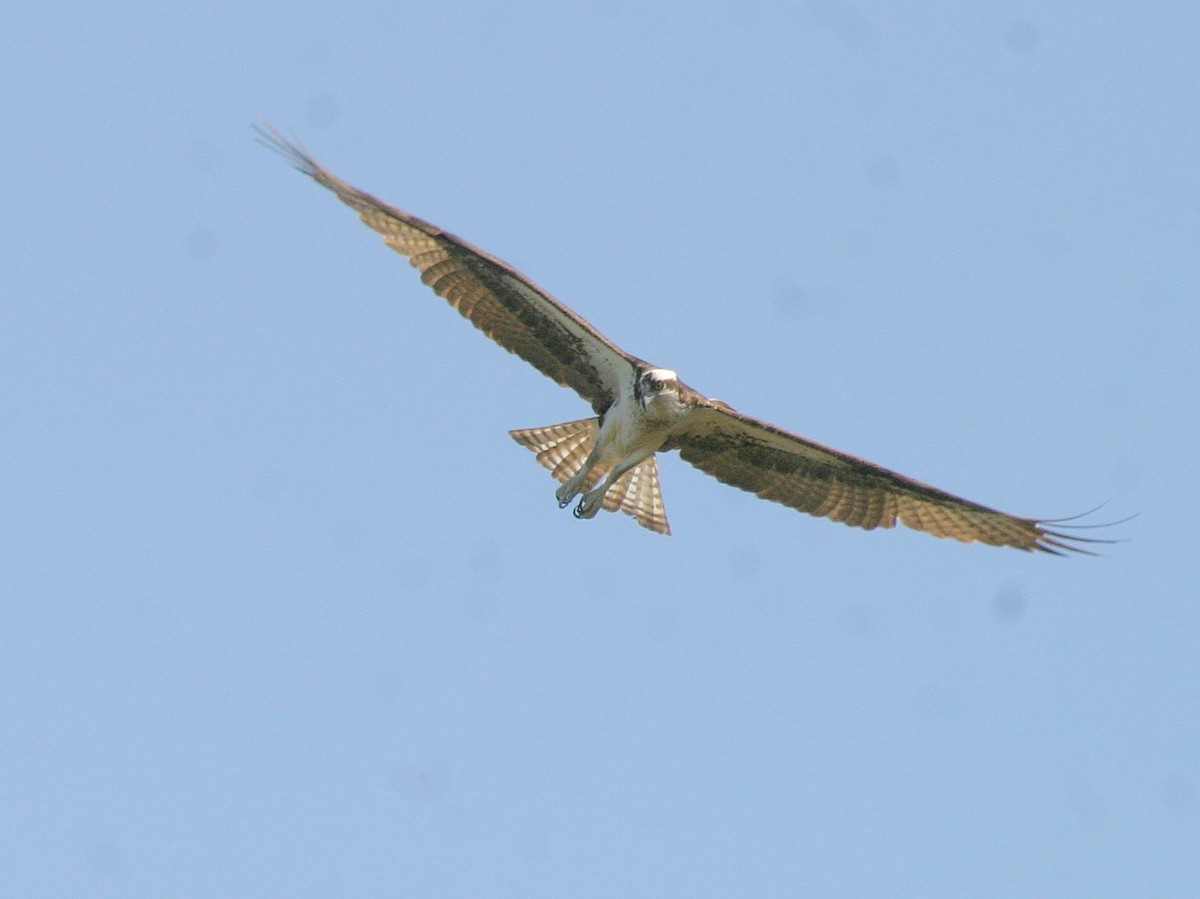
column 497, row 299
column 779, row 466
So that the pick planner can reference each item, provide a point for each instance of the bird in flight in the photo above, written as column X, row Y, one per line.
column 608, row 461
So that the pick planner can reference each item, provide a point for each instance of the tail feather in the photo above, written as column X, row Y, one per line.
column 638, row 493
column 563, row 449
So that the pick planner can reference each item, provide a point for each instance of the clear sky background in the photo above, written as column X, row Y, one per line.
column 286, row 611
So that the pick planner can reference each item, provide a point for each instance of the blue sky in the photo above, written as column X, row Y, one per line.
column 288, row 613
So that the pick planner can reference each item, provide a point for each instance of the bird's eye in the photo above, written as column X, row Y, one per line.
column 656, row 386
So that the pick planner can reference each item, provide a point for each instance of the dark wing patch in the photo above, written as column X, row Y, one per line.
column 492, row 295
column 784, row 468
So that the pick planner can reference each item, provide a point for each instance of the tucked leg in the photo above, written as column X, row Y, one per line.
column 590, row 502
column 571, row 488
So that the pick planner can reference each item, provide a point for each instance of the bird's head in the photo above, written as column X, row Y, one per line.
column 657, row 389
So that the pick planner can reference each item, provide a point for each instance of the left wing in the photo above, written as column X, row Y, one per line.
column 773, row 464
column 495, row 297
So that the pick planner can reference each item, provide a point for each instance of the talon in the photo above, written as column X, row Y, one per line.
column 563, row 503
column 578, row 510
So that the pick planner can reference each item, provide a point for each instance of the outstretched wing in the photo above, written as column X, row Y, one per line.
column 773, row 464
column 492, row 295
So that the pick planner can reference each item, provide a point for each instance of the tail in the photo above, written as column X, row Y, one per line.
column 564, row 449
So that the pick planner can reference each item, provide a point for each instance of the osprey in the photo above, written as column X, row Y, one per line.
column 608, row 461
